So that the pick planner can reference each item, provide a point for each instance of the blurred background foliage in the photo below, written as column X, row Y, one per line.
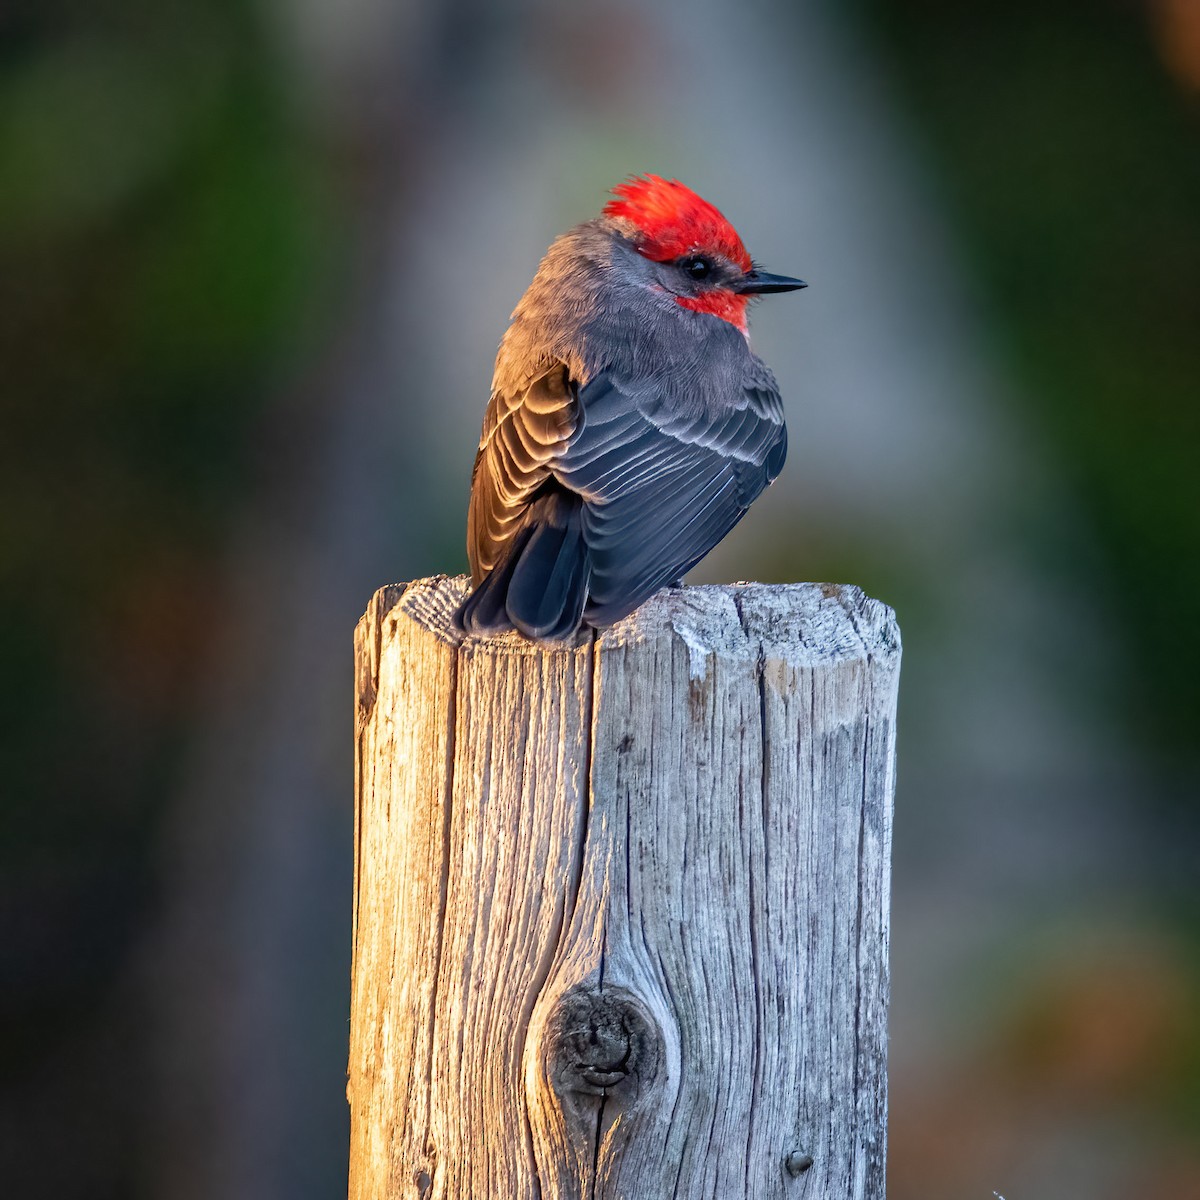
column 207, row 212
column 1065, row 140
column 166, row 222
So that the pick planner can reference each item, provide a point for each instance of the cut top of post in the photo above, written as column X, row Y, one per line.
column 803, row 624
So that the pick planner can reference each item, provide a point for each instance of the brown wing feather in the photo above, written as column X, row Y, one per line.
column 522, row 435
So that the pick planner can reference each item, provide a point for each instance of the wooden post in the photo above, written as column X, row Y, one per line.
column 621, row 904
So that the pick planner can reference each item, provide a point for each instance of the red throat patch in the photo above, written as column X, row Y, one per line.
column 673, row 221
column 719, row 302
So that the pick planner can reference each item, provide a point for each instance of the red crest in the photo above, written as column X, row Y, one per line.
column 674, row 221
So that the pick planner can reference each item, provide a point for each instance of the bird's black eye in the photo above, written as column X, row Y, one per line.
column 698, row 267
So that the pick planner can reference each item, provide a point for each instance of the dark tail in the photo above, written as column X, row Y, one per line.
column 541, row 584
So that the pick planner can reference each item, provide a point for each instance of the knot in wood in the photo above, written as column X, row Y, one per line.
column 600, row 1039
column 797, row 1163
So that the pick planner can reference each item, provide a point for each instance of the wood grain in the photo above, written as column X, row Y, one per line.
column 621, row 911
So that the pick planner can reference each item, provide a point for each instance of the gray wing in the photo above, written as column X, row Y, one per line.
column 661, row 489
column 523, row 435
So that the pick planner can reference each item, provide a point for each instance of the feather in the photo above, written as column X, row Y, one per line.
column 590, row 526
column 549, row 583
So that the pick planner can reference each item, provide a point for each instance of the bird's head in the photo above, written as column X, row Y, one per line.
column 704, row 263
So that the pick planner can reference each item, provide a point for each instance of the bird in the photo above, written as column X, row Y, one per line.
column 630, row 424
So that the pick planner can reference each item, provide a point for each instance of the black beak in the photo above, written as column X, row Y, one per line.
column 760, row 283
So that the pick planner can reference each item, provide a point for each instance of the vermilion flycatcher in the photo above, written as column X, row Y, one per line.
column 630, row 425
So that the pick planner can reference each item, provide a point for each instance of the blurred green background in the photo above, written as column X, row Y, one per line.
column 254, row 262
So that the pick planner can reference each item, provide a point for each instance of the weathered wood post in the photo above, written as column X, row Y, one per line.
column 621, row 904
